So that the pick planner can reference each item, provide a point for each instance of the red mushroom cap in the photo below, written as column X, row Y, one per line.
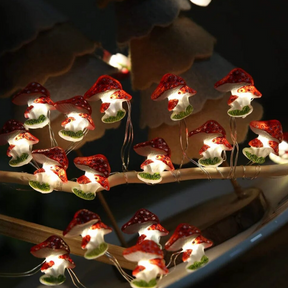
column 60, row 172
column 156, row 145
column 121, row 95
column 82, row 219
column 271, row 129
column 28, row 136
column 167, row 83
column 275, row 146
column 223, row 141
column 11, row 128
column 86, row 116
column 186, row 255
column 236, row 78
column 160, row 263
column 146, row 250
column 70, row 263
column 75, row 104
column 101, row 226
column 31, row 91
column 167, row 161
column 45, row 100
column 187, row 90
column 83, row 180
column 96, row 164
column 103, row 181
column 55, row 156
column 209, row 127
column 52, row 246
column 250, row 89
column 141, row 218
column 138, row 269
column 103, row 84
column 202, row 240
column 146, row 162
column 183, row 233
column 256, row 143
column 158, row 227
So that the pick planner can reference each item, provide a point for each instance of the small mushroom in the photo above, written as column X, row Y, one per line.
column 202, row 3
column 56, row 252
column 97, row 171
column 175, row 89
column 39, row 103
column 20, row 142
column 110, row 92
column 158, row 159
column 78, row 121
column 282, row 158
column 270, row 134
column 215, row 142
column 54, row 163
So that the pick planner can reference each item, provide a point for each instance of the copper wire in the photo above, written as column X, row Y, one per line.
column 23, row 274
column 51, row 133
column 233, row 134
column 72, row 276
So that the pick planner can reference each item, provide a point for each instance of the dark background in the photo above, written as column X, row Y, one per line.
column 251, row 35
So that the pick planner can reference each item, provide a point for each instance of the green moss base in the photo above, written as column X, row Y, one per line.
column 141, row 283
column 19, row 160
column 120, row 115
column 52, row 281
column 245, row 110
column 254, row 158
column 197, row 264
column 71, row 134
column 97, row 252
column 44, row 187
column 83, row 195
column 31, row 122
column 210, row 161
column 155, row 176
column 182, row 114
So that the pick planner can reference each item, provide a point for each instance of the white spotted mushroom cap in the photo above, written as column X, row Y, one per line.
column 75, row 104
column 141, row 219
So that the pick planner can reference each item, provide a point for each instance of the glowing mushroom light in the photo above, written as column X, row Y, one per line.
column 282, row 158
column 202, row 3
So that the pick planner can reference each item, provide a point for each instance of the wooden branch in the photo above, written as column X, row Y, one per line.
column 34, row 233
column 168, row 177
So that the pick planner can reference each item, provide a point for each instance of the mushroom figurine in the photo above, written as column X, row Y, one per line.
column 202, row 3
column 158, row 159
column 97, row 170
column 282, row 158
column 243, row 91
column 53, row 172
column 195, row 256
column 39, row 104
column 89, row 225
column 119, row 61
column 56, row 253
column 20, row 142
column 270, row 134
column 150, row 263
column 110, row 91
column 215, row 142
column 78, row 120
column 174, row 88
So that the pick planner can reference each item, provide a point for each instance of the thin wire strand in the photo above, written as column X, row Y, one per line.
column 72, row 274
column 51, row 133
column 23, row 274
column 128, row 140
column 176, row 254
column 233, row 159
column 75, row 144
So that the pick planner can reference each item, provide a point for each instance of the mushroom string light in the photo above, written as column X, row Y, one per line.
column 215, row 143
column 97, row 170
column 39, row 104
column 53, row 172
column 78, row 121
column 270, row 134
column 202, row 3
column 109, row 90
column 282, row 157
column 175, row 89
column 158, row 159
column 20, row 142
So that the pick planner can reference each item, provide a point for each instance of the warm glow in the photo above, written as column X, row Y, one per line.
column 203, row 3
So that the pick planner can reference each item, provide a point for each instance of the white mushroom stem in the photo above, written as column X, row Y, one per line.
column 21, row 146
column 38, row 109
column 119, row 61
column 90, row 187
column 215, row 150
column 183, row 101
column 283, row 155
column 97, row 238
column 58, row 268
column 197, row 252
column 153, row 235
column 150, row 272
column 114, row 107
column 78, row 124
column 156, row 167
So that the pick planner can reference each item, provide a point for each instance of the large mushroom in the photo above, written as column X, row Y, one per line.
column 158, row 159
column 97, row 170
column 282, row 158
column 88, row 224
column 78, row 120
column 56, row 253
column 53, row 172
column 39, row 103
column 110, row 91
column 270, row 134
column 20, row 142
column 175, row 89
column 215, row 142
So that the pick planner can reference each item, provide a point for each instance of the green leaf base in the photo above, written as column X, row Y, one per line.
column 52, row 281
column 41, row 187
column 71, row 134
column 239, row 113
column 149, row 178
column 253, row 157
column 83, row 195
column 19, row 161
column 32, row 122
column 141, row 283
column 198, row 264
column 182, row 114
column 112, row 119
column 97, row 252
column 210, row 161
